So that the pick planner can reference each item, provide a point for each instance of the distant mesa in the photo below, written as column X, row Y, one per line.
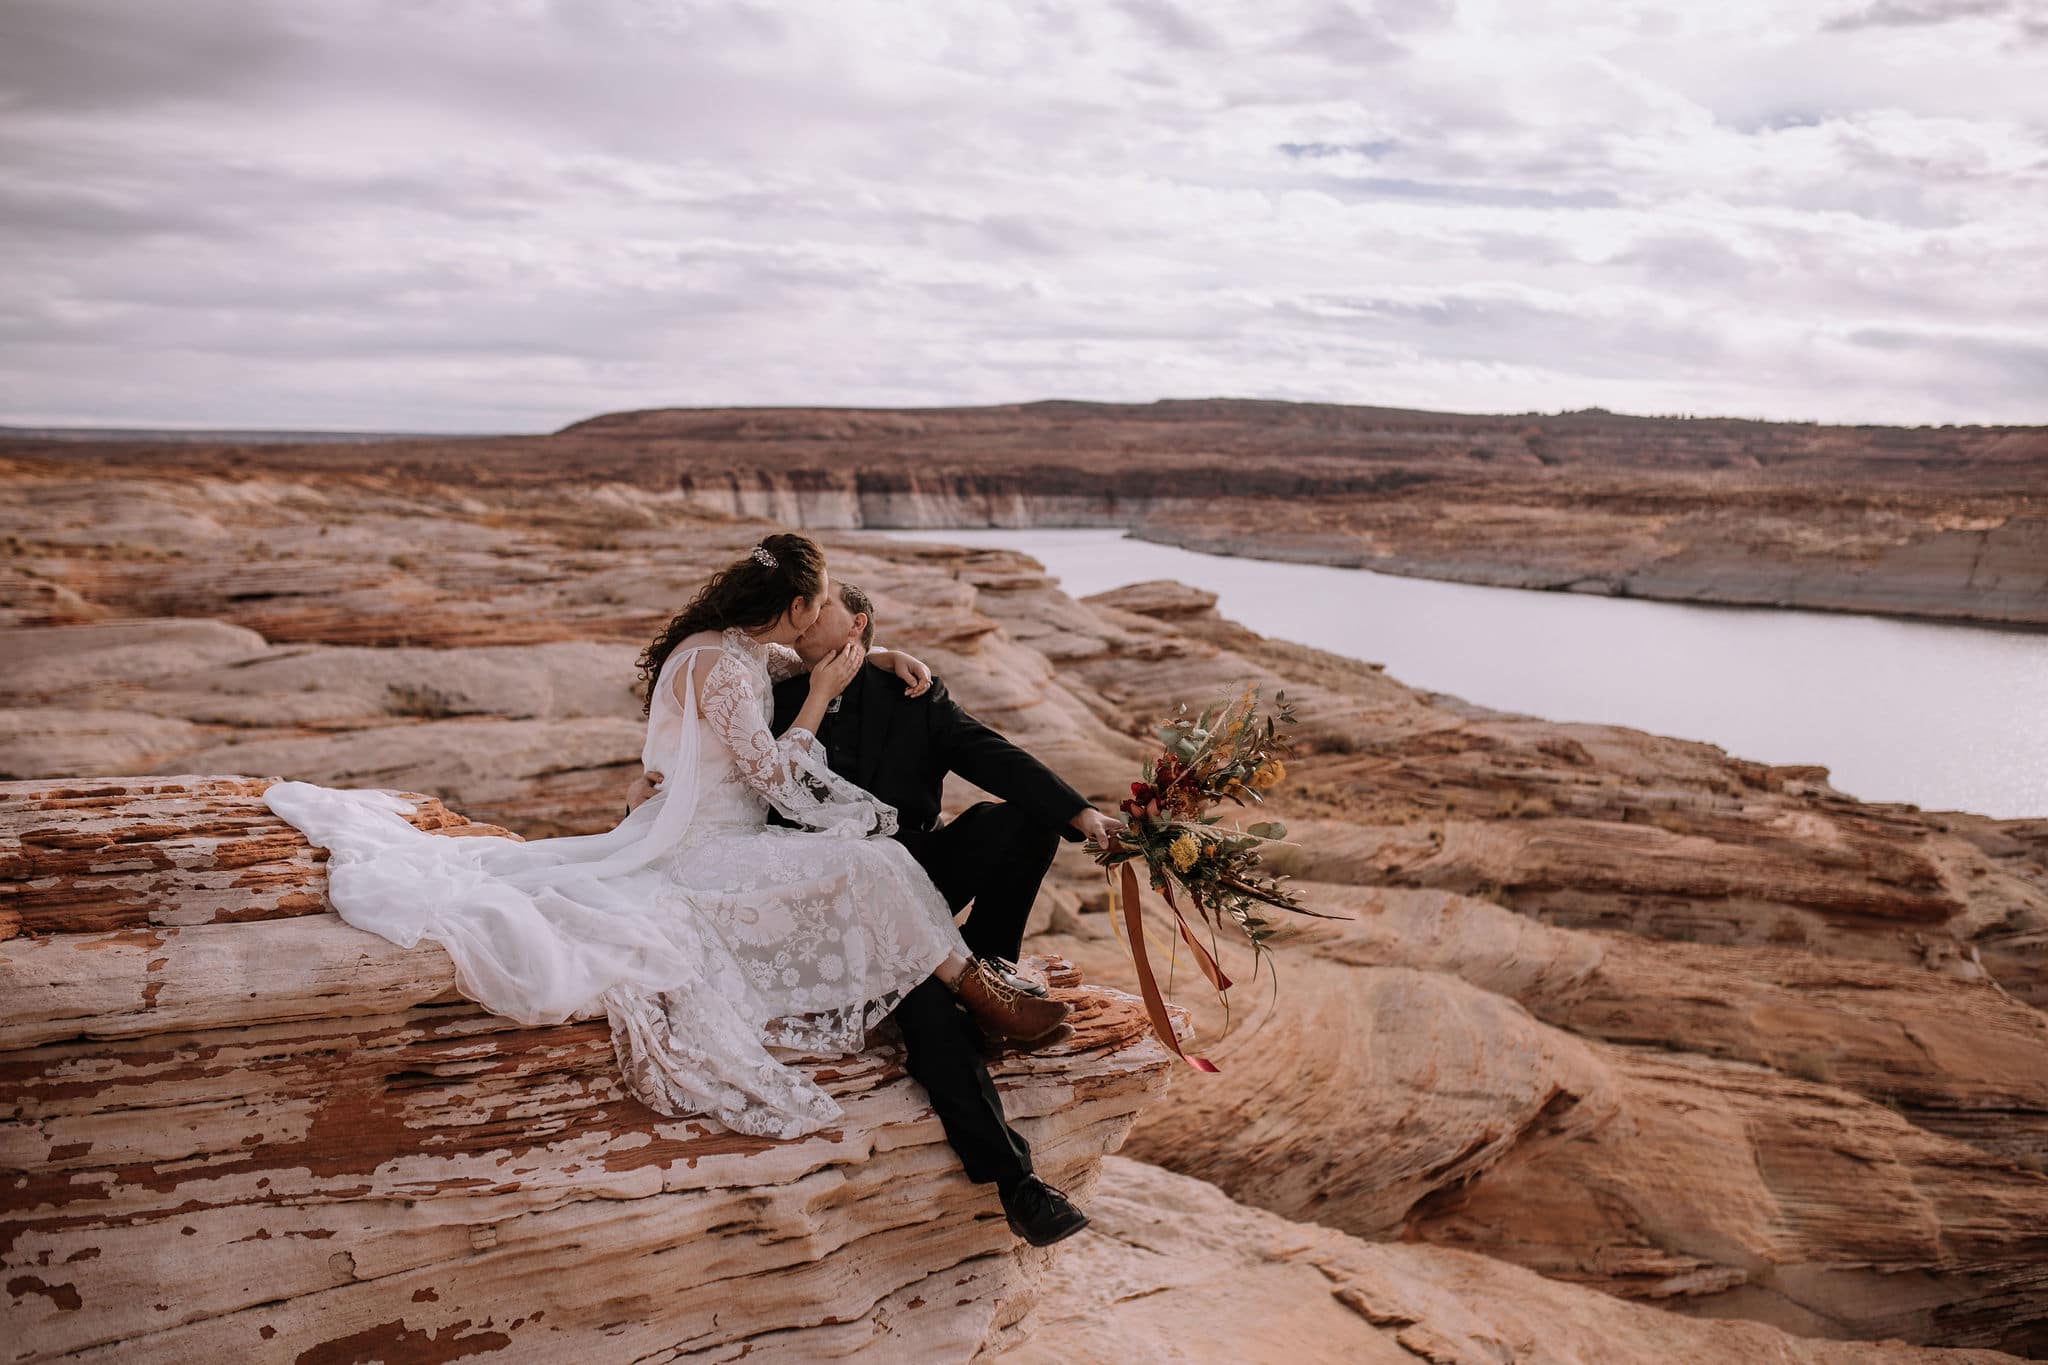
column 230, row 435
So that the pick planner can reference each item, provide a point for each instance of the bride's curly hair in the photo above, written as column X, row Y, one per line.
column 749, row 593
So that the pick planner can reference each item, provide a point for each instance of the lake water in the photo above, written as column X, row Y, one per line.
column 1945, row 717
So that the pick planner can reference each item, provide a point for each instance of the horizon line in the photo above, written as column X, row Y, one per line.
column 71, row 430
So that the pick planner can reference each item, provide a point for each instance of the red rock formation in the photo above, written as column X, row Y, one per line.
column 1948, row 522
column 1709, row 1128
column 236, row 1128
column 1594, row 960
column 1185, row 1273
column 1592, row 825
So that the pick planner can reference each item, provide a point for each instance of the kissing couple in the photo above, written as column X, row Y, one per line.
column 781, row 881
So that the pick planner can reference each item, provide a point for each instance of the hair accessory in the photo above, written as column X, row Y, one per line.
column 764, row 557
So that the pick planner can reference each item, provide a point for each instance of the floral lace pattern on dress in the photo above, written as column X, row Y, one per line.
column 821, row 937
column 705, row 936
column 788, row 772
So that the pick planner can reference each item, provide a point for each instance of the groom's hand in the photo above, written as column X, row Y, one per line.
column 642, row 788
column 1097, row 828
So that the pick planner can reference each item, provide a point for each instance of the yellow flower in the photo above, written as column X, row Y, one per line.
column 1184, row 850
column 1269, row 774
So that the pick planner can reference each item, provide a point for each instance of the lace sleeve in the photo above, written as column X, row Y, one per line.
column 784, row 662
column 788, row 771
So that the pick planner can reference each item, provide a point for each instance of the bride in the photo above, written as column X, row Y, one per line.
column 708, row 937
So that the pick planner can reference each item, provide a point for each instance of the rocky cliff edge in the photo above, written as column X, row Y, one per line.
column 233, row 1127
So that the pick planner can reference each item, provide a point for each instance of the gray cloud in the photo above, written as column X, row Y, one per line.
column 73, row 216
column 509, row 214
column 1371, row 149
column 107, row 54
column 1469, row 326
column 2023, row 362
column 1343, row 34
column 1916, row 13
column 1171, row 25
column 1502, row 196
column 1019, row 232
column 1682, row 260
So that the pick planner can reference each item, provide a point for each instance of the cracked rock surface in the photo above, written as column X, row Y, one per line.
column 1620, row 1033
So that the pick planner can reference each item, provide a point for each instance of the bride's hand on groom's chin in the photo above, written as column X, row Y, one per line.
column 831, row 674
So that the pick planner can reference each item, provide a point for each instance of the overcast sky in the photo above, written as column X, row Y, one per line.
column 506, row 215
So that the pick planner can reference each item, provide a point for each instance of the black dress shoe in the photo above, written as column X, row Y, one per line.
column 1040, row 1214
column 992, row 1048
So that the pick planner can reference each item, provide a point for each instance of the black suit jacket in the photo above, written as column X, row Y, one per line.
column 909, row 744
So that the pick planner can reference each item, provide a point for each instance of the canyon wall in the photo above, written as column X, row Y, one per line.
column 1993, row 569
column 1945, row 523
column 1617, row 1034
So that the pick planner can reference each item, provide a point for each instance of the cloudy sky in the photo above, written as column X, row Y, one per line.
column 506, row 215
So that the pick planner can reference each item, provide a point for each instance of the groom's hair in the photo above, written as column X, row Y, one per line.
column 856, row 601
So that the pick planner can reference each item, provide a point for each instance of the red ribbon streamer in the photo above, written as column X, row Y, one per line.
column 1155, row 1004
column 1209, row 965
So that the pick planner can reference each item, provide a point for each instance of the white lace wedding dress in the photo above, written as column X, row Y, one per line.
column 706, row 935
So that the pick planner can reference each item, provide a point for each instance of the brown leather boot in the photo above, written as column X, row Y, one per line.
column 1006, row 1012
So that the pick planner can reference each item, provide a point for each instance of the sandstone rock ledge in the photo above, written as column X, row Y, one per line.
column 233, row 1127
column 1178, row 1272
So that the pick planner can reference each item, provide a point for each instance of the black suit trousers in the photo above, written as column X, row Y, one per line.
column 994, row 856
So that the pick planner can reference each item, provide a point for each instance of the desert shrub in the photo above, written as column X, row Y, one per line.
column 1331, row 742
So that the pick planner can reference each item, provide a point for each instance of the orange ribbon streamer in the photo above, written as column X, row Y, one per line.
column 1155, row 1004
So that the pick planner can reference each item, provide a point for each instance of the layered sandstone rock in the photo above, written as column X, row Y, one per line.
column 1183, row 1273
column 1671, row 539
column 1742, row 1132
column 484, row 654
column 1949, row 522
column 1628, row 1010
column 236, row 1128
column 1714, row 1124
column 1587, row 825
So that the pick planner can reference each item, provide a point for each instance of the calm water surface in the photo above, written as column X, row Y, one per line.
column 1945, row 717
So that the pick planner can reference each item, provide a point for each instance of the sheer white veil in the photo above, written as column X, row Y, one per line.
column 538, row 930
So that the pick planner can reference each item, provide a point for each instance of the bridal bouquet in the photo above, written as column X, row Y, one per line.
column 1232, row 752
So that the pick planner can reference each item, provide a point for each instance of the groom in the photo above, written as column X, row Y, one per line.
column 993, row 855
